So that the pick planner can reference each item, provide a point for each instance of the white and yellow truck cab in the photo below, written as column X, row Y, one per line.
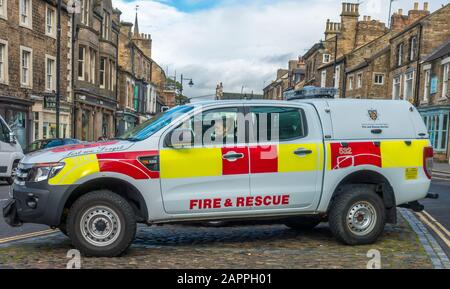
column 350, row 163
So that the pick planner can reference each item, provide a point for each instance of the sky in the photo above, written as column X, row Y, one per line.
column 241, row 43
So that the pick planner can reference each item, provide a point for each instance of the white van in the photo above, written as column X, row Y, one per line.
column 350, row 163
column 10, row 153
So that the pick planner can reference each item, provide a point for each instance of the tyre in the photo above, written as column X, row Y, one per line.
column 357, row 215
column 10, row 180
column 303, row 223
column 101, row 224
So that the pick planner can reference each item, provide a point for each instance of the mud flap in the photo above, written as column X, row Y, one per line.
column 10, row 214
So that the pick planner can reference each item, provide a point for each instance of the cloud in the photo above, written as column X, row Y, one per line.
column 239, row 43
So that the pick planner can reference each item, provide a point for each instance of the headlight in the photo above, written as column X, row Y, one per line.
column 42, row 172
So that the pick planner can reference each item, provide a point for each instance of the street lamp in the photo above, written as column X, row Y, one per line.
column 191, row 83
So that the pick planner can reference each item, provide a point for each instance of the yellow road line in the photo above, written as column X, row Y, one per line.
column 29, row 235
column 437, row 224
column 425, row 220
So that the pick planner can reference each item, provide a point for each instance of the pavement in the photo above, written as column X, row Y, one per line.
column 412, row 243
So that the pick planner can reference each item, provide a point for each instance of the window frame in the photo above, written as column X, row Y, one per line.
column 28, row 15
column 359, row 80
column 377, row 74
column 412, row 48
column 400, row 53
column 323, row 78
column 85, row 12
column 302, row 116
column 324, row 56
column 29, row 83
column 83, row 63
column 102, row 80
column 53, row 75
column 405, row 81
column 4, row 73
column 53, row 21
column 445, row 76
column 351, row 79
column 4, row 10
column 433, row 131
column 394, row 84
column 426, row 85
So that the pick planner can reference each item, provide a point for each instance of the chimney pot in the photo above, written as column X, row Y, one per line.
column 400, row 11
column 416, row 5
column 425, row 6
column 369, row 18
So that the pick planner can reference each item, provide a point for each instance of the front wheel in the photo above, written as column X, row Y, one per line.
column 101, row 224
column 357, row 216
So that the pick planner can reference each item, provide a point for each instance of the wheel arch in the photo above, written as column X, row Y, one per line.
column 381, row 185
column 115, row 185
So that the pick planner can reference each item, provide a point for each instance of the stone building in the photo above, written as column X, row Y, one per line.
column 28, row 68
column 287, row 79
column 96, row 34
column 341, row 38
column 435, row 99
column 141, row 86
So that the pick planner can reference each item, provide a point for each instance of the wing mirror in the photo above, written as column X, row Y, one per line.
column 180, row 138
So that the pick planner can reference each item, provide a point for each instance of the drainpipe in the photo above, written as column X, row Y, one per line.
column 418, row 73
column 74, row 110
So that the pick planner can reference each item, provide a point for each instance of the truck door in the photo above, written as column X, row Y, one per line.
column 286, row 157
column 212, row 174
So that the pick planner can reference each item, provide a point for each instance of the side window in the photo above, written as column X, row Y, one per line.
column 4, row 132
column 277, row 124
column 215, row 127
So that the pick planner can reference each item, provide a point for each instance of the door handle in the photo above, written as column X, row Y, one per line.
column 232, row 156
column 303, row 152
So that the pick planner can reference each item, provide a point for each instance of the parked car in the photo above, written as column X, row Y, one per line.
column 348, row 162
column 50, row 143
column 10, row 153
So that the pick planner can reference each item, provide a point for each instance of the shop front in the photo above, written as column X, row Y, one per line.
column 94, row 119
column 44, row 119
column 437, row 119
column 16, row 113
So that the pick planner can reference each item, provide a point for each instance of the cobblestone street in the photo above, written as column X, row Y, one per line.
column 262, row 246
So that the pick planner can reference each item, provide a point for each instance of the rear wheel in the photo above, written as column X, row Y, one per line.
column 357, row 216
column 303, row 223
column 101, row 224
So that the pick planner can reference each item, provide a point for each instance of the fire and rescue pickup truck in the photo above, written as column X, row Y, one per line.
column 350, row 163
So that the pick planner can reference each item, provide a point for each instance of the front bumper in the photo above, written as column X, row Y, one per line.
column 37, row 203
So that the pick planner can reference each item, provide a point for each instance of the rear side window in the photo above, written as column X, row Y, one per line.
column 277, row 124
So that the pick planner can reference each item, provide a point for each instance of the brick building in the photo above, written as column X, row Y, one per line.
column 28, row 68
column 96, row 34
